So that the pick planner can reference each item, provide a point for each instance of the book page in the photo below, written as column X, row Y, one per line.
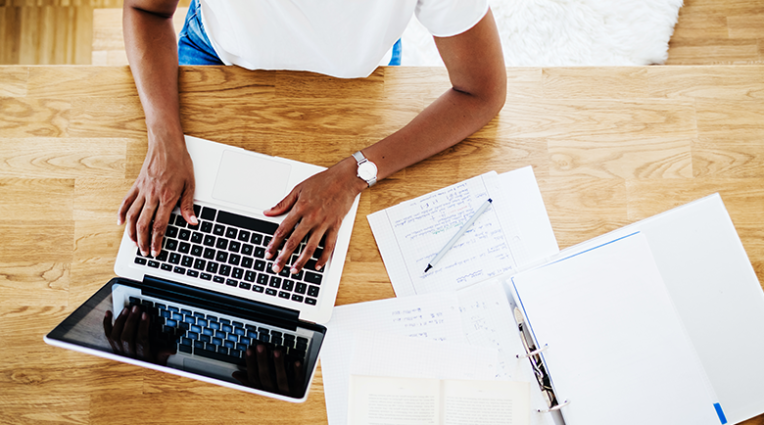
column 486, row 403
column 376, row 400
column 613, row 339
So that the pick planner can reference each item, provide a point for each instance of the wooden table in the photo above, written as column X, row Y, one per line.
column 609, row 146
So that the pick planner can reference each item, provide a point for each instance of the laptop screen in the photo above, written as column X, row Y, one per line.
column 225, row 346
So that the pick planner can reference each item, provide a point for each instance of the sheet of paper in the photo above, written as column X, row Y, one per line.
column 377, row 400
column 614, row 341
column 488, row 321
column 377, row 354
column 432, row 316
column 412, row 233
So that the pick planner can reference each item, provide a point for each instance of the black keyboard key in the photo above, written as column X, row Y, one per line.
column 234, row 246
column 206, row 276
column 313, row 291
column 314, row 278
column 257, row 238
column 247, row 249
column 180, row 221
column 259, row 265
column 243, row 236
column 184, row 234
column 200, row 264
column 192, row 273
column 231, row 282
column 175, row 258
column 212, row 267
column 225, row 269
column 222, row 256
column 237, row 273
column 219, row 230
column 260, row 252
column 297, row 298
column 167, row 267
column 197, row 210
column 231, row 233
column 209, row 240
column 311, row 301
column 298, row 276
column 197, row 237
column 218, row 279
column 262, row 279
column 187, row 261
column 269, row 268
column 206, row 227
column 234, row 259
column 264, row 337
column 258, row 288
column 209, row 253
column 317, row 253
column 271, row 291
column 247, row 222
column 162, row 256
column 250, row 276
column 300, row 288
column 310, row 265
column 275, row 282
column 267, row 240
column 247, row 262
column 141, row 261
column 245, row 285
column 197, row 250
column 184, row 247
column 171, row 231
column 208, row 213
column 170, row 244
column 284, row 272
column 288, row 285
column 185, row 348
column 179, row 270
column 222, row 243
column 284, row 295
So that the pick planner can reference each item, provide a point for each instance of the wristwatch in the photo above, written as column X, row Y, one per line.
column 367, row 170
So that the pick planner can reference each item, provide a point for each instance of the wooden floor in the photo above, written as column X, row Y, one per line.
column 61, row 31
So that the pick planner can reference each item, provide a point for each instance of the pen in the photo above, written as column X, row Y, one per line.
column 459, row 234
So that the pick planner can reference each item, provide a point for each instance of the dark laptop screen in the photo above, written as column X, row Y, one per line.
column 273, row 358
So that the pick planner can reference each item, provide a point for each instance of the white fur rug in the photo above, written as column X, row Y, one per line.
column 568, row 33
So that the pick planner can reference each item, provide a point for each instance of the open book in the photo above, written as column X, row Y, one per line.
column 378, row 400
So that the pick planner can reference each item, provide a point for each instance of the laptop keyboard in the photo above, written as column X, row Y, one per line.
column 216, row 336
column 229, row 249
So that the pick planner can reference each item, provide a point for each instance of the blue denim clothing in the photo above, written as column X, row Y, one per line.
column 194, row 47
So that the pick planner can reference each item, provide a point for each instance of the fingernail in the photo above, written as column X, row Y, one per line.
column 293, row 270
column 154, row 253
column 268, row 255
column 276, row 268
column 194, row 221
column 124, row 311
column 135, row 309
column 144, row 316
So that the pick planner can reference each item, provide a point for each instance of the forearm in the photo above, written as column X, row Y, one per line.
column 451, row 118
column 153, row 57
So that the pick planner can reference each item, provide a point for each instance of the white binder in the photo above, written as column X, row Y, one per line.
column 699, row 289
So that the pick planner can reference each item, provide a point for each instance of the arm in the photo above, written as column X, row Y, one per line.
column 167, row 173
column 476, row 69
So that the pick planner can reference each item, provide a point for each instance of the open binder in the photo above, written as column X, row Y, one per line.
column 661, row 321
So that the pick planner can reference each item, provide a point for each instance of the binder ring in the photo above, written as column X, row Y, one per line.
column 532, row 353
column 552, row 409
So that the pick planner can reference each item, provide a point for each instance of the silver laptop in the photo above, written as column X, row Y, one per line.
column 209, row 306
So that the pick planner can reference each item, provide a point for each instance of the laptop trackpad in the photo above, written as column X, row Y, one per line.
column 251, row 181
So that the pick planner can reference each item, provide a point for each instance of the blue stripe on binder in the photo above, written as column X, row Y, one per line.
column 720, row 413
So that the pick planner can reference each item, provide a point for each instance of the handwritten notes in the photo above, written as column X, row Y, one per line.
column 412, row 233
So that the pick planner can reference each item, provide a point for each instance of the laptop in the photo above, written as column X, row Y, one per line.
column 209, row 306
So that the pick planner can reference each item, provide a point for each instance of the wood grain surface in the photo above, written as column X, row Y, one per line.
column 608, row 146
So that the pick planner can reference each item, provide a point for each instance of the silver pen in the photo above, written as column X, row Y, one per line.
column 459, row 234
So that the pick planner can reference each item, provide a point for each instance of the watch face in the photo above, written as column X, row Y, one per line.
column 367, row 171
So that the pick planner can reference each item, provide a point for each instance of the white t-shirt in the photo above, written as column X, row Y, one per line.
column 341, row 38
